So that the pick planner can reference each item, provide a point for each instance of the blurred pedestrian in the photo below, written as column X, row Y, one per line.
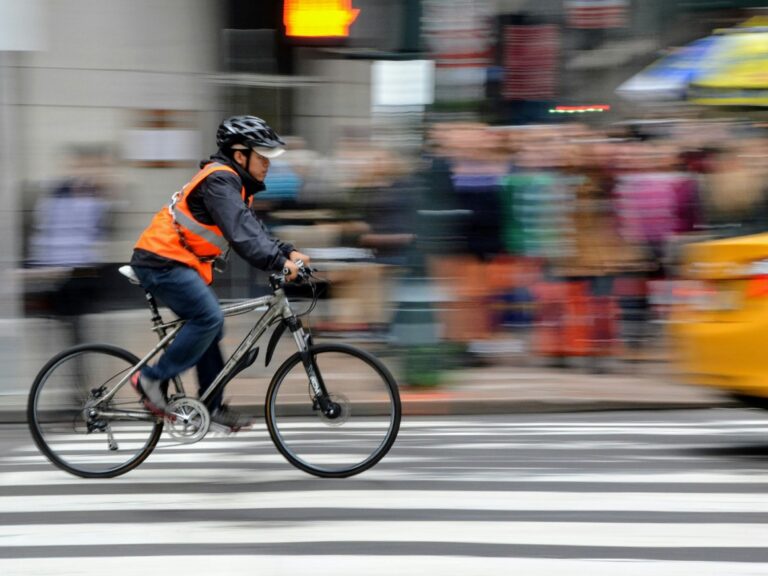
column 734, row 195
column 70, row 230
column 598, row 255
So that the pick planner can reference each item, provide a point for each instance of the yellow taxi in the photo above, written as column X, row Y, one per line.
column 720, row 327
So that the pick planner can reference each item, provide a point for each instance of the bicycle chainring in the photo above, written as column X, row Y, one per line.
column 192, row 420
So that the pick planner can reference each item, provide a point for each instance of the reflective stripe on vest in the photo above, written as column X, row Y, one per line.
column 181, row 218
column 196, row 228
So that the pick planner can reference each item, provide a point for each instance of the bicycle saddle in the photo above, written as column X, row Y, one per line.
column 128, row 272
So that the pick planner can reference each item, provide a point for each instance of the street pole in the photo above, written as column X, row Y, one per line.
column 10, row 229
column 12, row 387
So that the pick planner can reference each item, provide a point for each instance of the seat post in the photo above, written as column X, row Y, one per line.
column 156, row 318
column 157, row 322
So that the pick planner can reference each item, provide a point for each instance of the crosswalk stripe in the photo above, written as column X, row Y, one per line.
column 498, row 443
column 333, row 565
column 151, row 476
column 455, row 496
column 509, row 475
column 256, row 439
column 203, row 458
column 189, row 474
column 482, row 423
column 82, row 442
column 397, row 499
column 603, row 534
column 591, row 430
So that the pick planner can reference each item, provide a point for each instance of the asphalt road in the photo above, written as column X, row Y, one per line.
column 666, row 492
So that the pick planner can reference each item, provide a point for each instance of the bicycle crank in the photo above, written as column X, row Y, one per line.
column 192, row 420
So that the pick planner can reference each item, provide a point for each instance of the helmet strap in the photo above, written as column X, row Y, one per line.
column 247, row 153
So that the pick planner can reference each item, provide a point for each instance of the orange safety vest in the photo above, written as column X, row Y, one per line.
column 175, row 234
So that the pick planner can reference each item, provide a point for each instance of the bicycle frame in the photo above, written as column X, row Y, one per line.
column 277, row 307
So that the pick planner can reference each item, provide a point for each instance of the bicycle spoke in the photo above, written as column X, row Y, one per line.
column 349, row 432
column 108, row 440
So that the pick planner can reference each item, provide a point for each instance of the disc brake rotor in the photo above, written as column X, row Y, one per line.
column 192, row 420
column 346, row 410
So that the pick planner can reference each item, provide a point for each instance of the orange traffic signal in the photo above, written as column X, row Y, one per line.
column 318, row 18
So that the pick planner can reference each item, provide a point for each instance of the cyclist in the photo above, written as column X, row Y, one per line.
column 174, row 256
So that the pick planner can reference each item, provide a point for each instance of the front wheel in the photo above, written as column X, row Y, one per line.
column 112, row 440
column 345, row 432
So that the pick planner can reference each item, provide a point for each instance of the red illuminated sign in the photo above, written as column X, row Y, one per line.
column 318, row 18
column 580, row 109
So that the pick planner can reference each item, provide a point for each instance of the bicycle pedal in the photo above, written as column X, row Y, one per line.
column 222, row 429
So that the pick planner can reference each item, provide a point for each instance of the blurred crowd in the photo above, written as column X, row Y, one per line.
column 557, row 240
column 551, row 242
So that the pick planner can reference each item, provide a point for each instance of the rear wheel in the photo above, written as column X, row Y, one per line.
column 348, row 431
column 116, row 438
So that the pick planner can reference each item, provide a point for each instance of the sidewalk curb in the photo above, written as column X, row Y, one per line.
column 507, row 406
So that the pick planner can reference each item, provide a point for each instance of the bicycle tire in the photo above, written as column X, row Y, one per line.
column 56, row 421
column 372, row 400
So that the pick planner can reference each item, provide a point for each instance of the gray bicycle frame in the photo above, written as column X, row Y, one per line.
column 277, row 306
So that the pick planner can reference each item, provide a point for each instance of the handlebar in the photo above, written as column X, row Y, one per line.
column 278, row 280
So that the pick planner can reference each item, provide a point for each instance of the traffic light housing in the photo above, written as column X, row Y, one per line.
column 318, row 19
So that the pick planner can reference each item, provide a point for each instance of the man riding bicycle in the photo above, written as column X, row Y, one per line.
column 175, row 255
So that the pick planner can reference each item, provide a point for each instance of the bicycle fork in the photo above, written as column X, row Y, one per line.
column 321, row 400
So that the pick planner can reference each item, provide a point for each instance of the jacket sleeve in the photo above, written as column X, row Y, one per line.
column 243, row 230
column 285, row 247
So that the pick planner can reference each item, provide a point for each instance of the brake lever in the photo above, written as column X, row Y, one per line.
column 314, row 276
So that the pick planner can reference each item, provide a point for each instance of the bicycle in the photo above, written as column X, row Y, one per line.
column 325, row 398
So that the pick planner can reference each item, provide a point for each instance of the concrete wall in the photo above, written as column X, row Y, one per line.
column 93, row 66
column 104, row 62
column 325, row 110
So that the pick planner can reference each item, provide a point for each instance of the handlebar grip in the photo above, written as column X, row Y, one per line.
column 305, row 272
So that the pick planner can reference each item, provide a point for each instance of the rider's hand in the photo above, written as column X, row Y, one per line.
column 296, row 255
column 291, row 270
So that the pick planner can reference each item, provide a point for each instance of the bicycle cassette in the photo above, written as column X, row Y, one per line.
column 192, row 420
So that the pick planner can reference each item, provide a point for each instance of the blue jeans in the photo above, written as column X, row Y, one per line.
column 197, row 343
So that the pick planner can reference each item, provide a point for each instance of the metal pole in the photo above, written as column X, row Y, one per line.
column 13, row 385
column 10, row 229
